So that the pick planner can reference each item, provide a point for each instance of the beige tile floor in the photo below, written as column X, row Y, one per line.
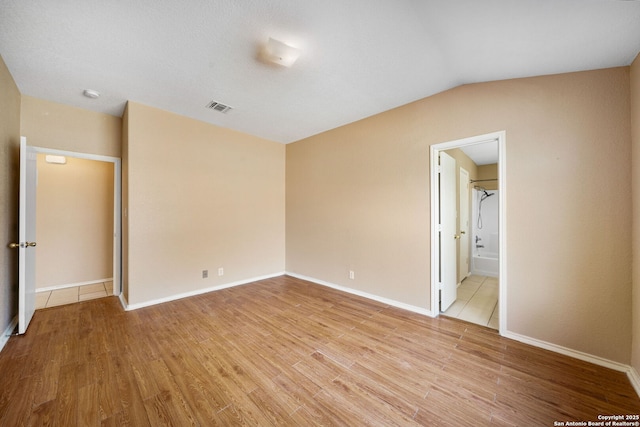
column 477, row 301
column 71, row 295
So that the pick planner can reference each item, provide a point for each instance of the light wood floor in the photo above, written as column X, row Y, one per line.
column 287, row 352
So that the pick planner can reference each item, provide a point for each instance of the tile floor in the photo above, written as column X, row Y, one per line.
column 70, row 295
column 477, row 301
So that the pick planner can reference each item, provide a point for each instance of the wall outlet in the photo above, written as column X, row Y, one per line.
column 352, row 275
column 221, row 271
column 205, row 274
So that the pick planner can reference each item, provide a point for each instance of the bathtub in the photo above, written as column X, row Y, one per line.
column 485, row 263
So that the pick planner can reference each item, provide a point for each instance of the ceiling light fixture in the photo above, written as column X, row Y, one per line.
column 90, row 93
column 56, row 160
column 280, row 53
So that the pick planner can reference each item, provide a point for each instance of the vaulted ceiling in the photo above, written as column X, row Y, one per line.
column 358, row 57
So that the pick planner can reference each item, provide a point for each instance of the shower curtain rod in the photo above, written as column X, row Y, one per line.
column 481, row 180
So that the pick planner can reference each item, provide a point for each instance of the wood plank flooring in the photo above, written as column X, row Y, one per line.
column 288, row 352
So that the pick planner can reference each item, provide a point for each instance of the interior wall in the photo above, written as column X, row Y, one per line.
column 74, row 222
column 50, row 125
column 200, row 197
column 9, row 177
column 488, row 172
column 635, row 161
column 358, row 198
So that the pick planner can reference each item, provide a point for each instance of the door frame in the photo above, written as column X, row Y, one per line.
column 117, row 203
column 500, row 138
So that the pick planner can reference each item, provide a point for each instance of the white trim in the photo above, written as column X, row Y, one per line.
column 596, row 360
column 634, row 378
column 117, row 203
column 388, row 301
column 129, row 307
column 123, row 301
column 500, row 138
column 7, row 332
column 72, row 285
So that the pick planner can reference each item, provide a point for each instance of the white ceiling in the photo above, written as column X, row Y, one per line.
column 485, row 153
column 359, row 57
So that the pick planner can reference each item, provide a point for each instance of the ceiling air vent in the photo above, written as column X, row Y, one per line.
column 217, row 106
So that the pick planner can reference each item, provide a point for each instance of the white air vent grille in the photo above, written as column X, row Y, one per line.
column 217, row 106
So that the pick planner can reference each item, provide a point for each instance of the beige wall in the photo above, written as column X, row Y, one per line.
column 358, row 198
column 51, row 125
column 488, row 172
column 199, row 197
column 9, row 155
column 74, row 222
column 635, row 161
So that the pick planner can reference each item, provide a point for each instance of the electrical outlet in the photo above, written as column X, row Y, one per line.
column 205, row 274
column 221, row 271
column 352, row 275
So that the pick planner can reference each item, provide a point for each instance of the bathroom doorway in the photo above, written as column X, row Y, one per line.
column 479, row 235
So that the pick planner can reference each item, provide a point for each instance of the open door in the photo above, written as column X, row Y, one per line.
column 463, row 221
column 448, row 236
column 27, row 236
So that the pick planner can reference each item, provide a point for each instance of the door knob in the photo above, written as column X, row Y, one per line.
column 463, row 232
column 457, row 236
column 18, row 245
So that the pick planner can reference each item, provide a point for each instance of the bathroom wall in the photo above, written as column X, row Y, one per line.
column 487, row 226
column 489, row 172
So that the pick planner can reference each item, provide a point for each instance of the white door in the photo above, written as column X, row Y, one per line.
column 448, row 264
column 27, row 236
column 464, row 224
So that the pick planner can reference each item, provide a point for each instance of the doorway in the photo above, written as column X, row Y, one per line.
column 95, row 214
column 489, row 151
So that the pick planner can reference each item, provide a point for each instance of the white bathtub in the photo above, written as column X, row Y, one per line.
column 485, row 263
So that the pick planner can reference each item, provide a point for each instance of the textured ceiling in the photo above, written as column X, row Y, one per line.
column 359, row 57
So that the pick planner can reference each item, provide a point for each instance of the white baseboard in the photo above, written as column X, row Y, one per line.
column 634, row 378
column 123, row 301
column 72, row 285
column 129, row 307
column 632, row 374
column 7, row 332
column 596, row 360
column 383, row 300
